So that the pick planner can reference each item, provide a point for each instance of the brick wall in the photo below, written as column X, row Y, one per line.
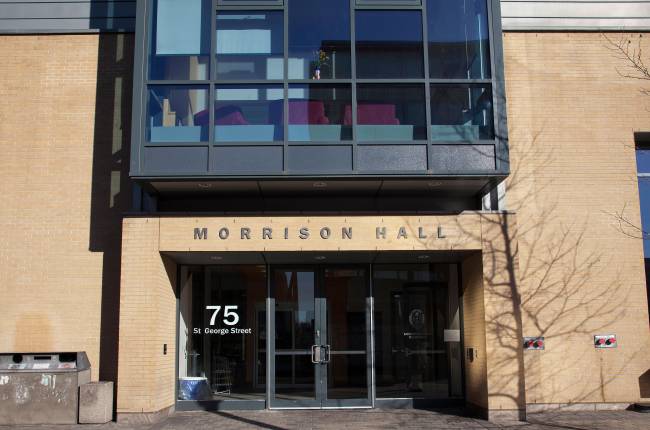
column 63, row 159
column 147, row 321
column 474, row 332
column 572, row 118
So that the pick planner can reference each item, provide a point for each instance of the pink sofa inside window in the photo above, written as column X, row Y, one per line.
column 372, row 114
column 229, row 115
column 307, row 112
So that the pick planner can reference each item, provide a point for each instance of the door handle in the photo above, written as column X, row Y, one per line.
column 326, row 356
column 316, row 354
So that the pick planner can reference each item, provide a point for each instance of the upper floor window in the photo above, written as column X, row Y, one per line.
column 319, row 39
column 389, row 44
column 459, row 46
column 232, row 71
column 643, row 175
column 250, row 45
column 180, row 40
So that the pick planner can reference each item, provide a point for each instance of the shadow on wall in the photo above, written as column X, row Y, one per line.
column 542, row 274
column 111, row 188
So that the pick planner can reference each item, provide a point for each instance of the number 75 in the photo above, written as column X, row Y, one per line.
column 227, row 313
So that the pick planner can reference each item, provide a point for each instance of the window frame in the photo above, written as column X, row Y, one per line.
column 398, row 3
column 496, row 81
column 256, row 3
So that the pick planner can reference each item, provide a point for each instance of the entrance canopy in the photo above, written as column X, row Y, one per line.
column 312, row 257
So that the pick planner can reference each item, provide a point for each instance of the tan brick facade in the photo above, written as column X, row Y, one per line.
column 147, row 321
column 63, row 160
column 64, row 112
column 572, row 119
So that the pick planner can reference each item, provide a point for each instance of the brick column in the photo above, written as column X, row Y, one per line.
column 506, row 388
column 146, row 376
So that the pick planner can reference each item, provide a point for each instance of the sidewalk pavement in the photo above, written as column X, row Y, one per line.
column 401, row 419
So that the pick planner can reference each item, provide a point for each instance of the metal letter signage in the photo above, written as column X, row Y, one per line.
column 200, row 233
column 324, row 233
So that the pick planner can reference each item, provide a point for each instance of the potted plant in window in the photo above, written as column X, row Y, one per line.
column 321, row 60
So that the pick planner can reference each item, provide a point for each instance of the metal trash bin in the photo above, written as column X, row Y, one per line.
column 41, row 388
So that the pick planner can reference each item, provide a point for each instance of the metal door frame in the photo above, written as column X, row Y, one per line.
column 320, row 400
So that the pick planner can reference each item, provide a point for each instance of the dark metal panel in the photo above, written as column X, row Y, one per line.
column 67, row 9
column 137, row 122
column 499, row 89
column 312, row 159
column 67, row 16
column 247, row 159
column 462, row 158
column 392, row 158
column 170, row 160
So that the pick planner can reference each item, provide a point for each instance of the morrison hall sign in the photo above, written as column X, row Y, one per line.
column 326, row 233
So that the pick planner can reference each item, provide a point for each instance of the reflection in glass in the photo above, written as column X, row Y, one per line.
column 642, row 160
column 226, row 365
column 345, row 290
column 180, row 40
column 417, row 331
column 174, row 113
column 295, row 315
column 644, row 200
column 389, row 112
column 458, row 39
column 319, row 39
column 316, row 113
column 247, row 113
column 250, row 45
column 461, row 112
column 389, row 44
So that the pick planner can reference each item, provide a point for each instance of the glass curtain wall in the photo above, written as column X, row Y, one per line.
column 222, row 333
column 417, row 331
column 319, row 71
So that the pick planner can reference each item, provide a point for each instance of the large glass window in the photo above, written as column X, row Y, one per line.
column 417, row 331
column 175, row 113
column 222, row 333
column 389, row 112
column 458, row 31
column 248, row 113
column 317, row 113
column 250, row 45
column 461, row 112
column 319, row 39
column 180, row 40
column 643, row 172
column 311, row 92
column 389, row 44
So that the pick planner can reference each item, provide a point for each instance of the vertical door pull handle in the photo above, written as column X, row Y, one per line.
column 315, row 354
column 326, row 355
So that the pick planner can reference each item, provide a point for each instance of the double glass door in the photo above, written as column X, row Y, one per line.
column 320, row 355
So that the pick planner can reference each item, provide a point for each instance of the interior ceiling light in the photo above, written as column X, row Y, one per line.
column 320, row 257
column 205, row 185
column 434, row 184
column 320, row 185
column 423, row 257
column 216, row 257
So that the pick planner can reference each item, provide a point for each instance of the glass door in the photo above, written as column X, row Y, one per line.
column 319, row 356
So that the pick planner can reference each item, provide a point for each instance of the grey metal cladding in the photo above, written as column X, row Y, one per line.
column 454, row 158
column 69, row 16
column 320, row 158
column 249, row 160
column 575, row 15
